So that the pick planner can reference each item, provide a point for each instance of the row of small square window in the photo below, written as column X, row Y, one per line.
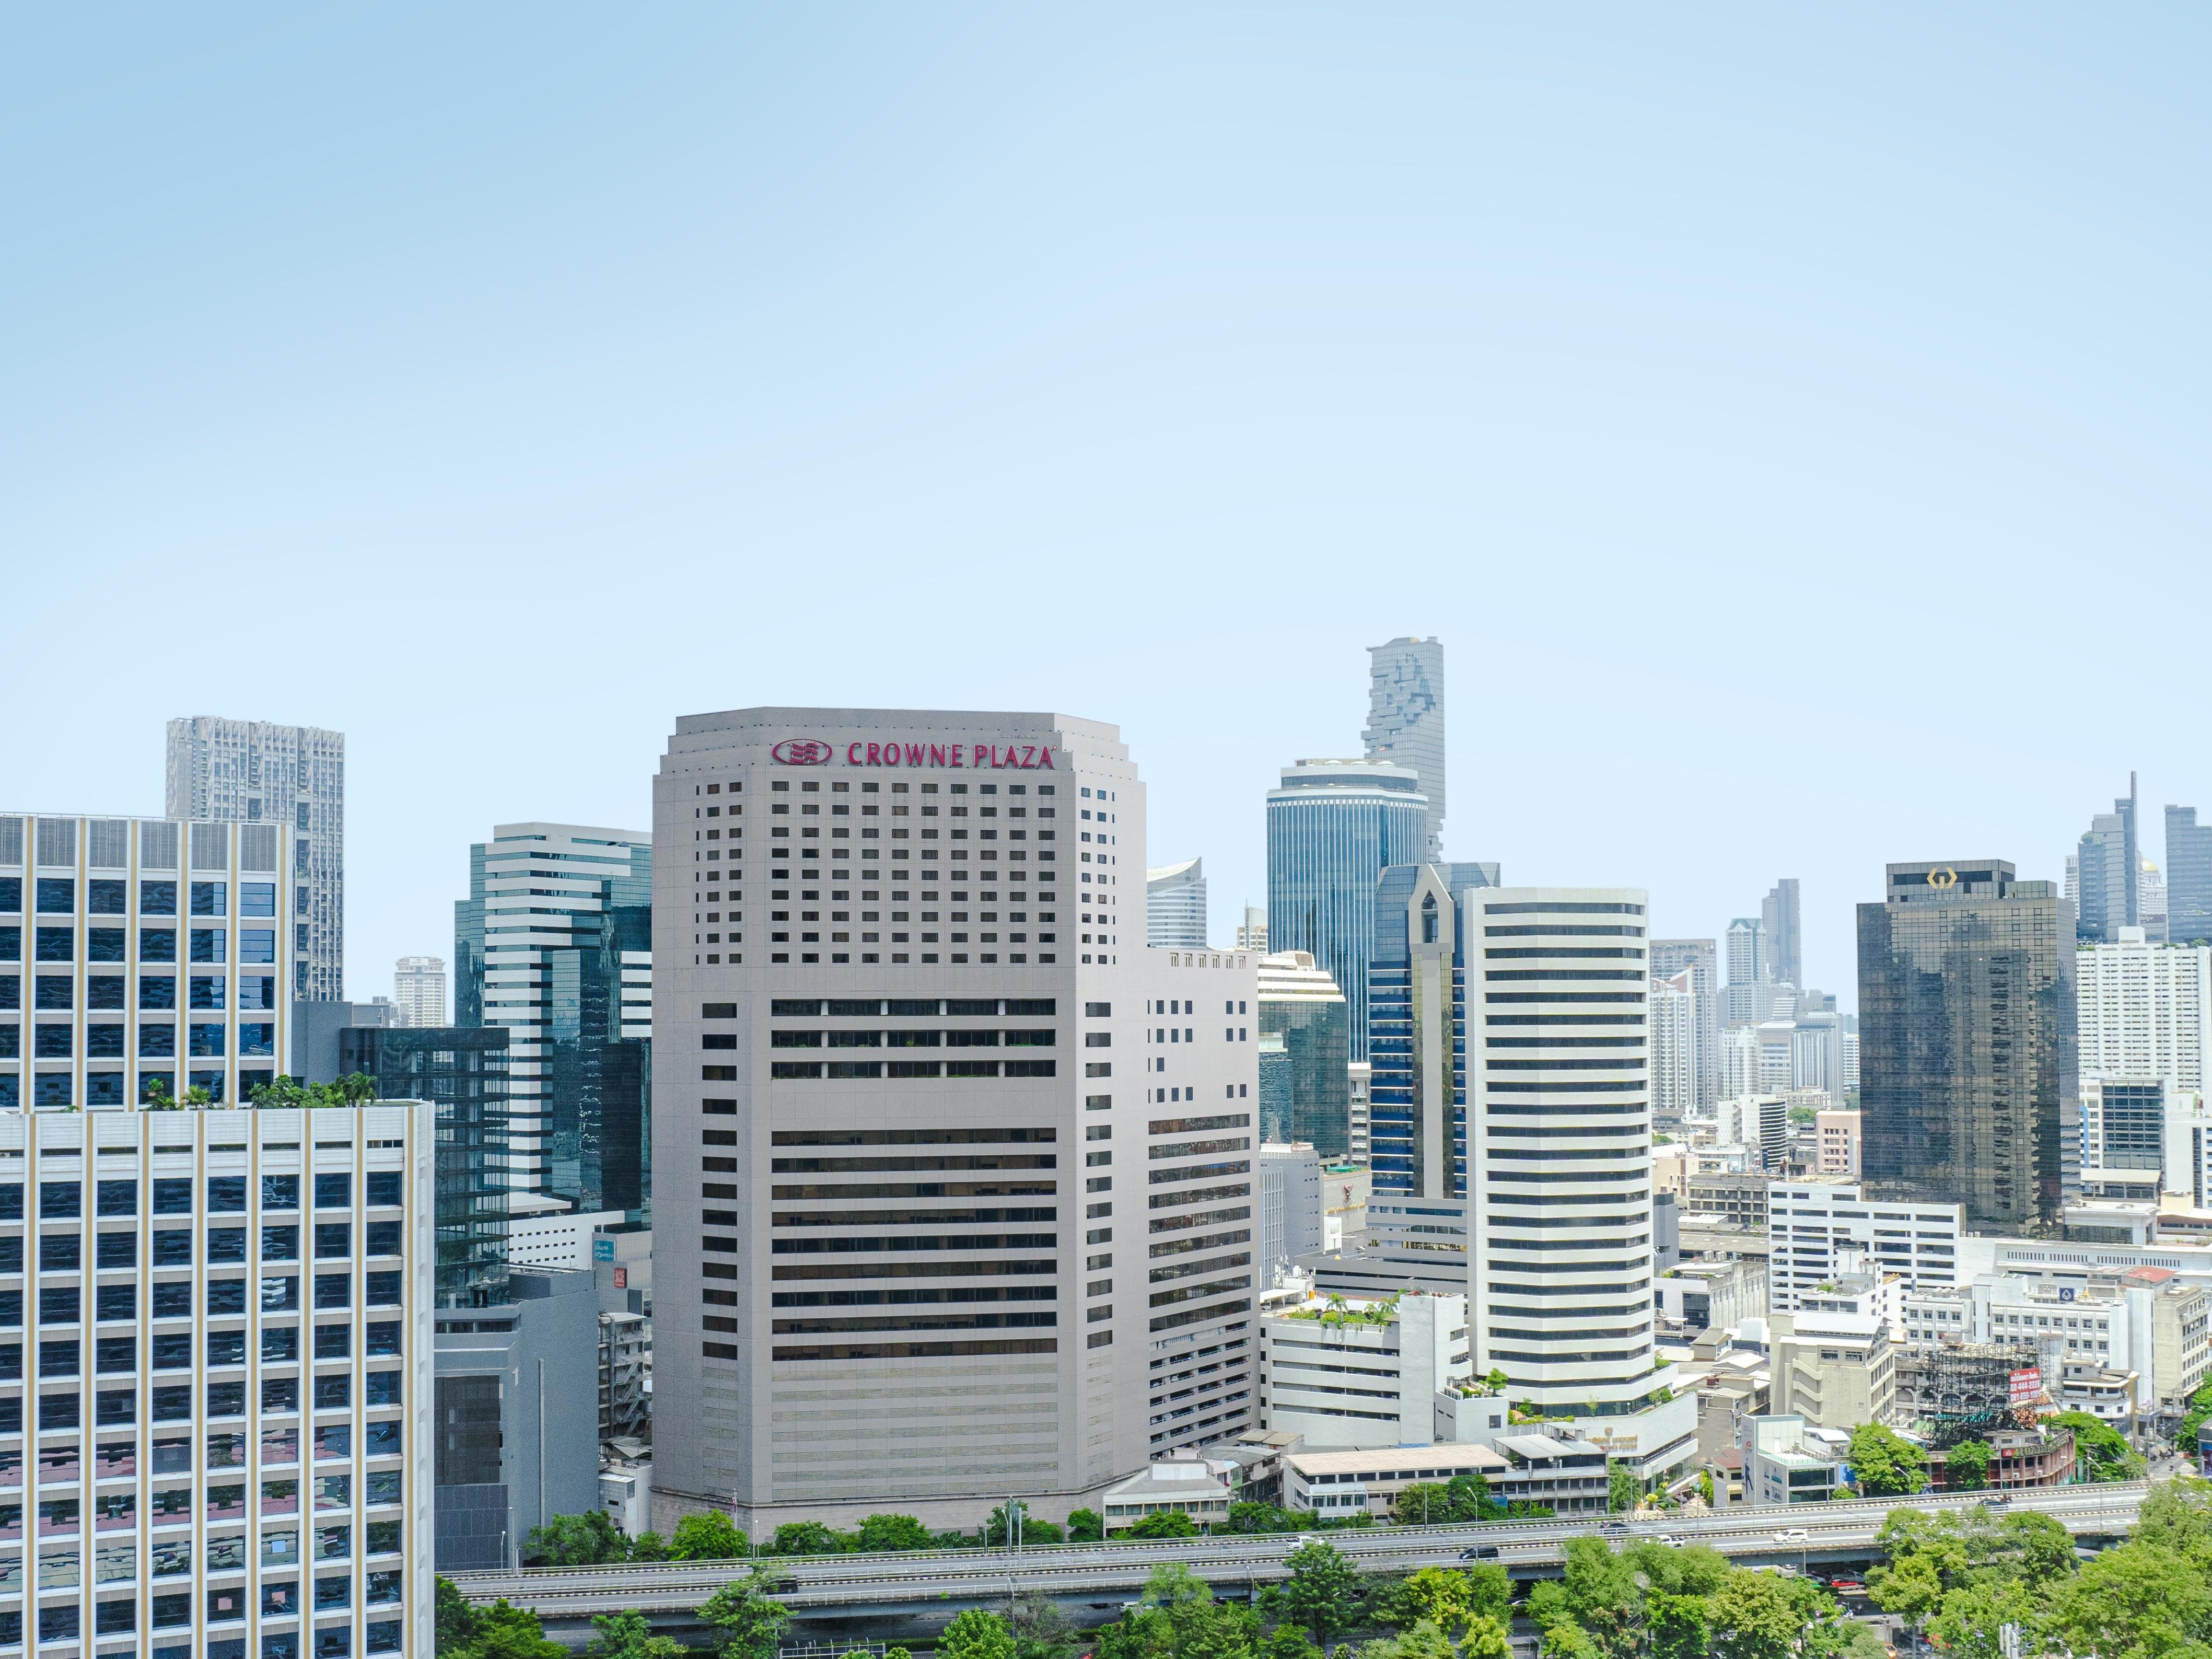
column 173, row 1247
column 64, row 1201
column 175, row 1613
column 61, row 1464
column 52, row 1090
column 117, row 1355
column 157, row 992
column 255, row 944
column 898, row 957
column 256, row 1040
column 57, row 896
column 172, row 1402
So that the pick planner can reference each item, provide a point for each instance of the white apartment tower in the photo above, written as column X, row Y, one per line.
column 958, row 1157
column 1175, row 906
column 2144, row 1009
column 1675, row 1062
column 418, row 990
column 141, row 958
column 293, row 777
column 1406, row 720
column 1558, row 1158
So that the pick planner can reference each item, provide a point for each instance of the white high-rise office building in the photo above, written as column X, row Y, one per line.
column 1175, row 906
column 292, row 777
column 1406, row 720
column 226, row 1435
column 2143, row 1008
column 418, row 990
column 1824, row 1228
column 1675, row 1032
column 1559, row 1160
column 958, row 1157
column 140, row 958
column 1701, row 959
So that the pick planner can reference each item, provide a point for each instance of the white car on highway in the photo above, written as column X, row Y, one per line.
column 1792, row 1535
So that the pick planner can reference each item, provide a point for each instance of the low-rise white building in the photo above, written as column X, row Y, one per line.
column 1336, row 1484
column 1787, row 1459
column 1200, row 1487
column 1360, row 1372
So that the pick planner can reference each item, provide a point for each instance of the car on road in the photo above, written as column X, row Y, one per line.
column 1479, row 1552
column 1846, row 1586
column 1612, row 1528
column 1792, row 1535
column 1671, row 1541
column 1997, row 1500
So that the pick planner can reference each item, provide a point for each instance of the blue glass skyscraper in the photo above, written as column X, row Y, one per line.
column 1333, row 826
column 1416, row 1114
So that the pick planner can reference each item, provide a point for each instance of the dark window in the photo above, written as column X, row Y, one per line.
column 58, row 1359
column 280, row 1343
column 385, row 1187
column 11, row 1202
column 57, row 894
column 382, row 1238
column 173, row 1195
column 280, row 1191
column 333, row 1192
column 207, row 991
column 106, row 897
column 103, row 1042
column 207, row 898
column 116, row 1617
column 55, row 944
column 333, row 1393
column 174, row 1400
column 333, row 1341
column 172, row 1247
column 11, row 899
column 336, row 1289
column 59, row 1411
column 11, row 1308
column 381, row 1339
column 105, row 991
column 226, row 1244
column 280, row 1244
column 158, row 945
column 60, row 1200
column 117, row 1302
column 380, row 1388
column 53, row 992
column 207, row 945
column 225, row 1194
column 51, row 1091
column 205, row 1040
column 256, row 1037
column 11, row 991
column 60, row 1253
column 59, row 1305
column 157, row 898
column 173, row 1301
column 53, row 1042
column 173, row 1350
column 226, row 1399
column 280, row 1393
column 225, row 1347
column 257, row 991
column 116, row 1353
column 157, row 1042
column 118, row 1250
column 279, row 1294
column 60, row 1623
column 107, row 945
column 157, row 991
column 119, row 1406
column 116, row 1197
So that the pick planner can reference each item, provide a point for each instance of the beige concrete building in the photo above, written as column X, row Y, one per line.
column 1835, row 1371
column 1837, row 1134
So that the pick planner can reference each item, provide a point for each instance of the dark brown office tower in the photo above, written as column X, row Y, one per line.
column 1966, row 1044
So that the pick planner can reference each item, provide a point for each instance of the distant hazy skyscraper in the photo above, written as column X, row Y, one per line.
column 1967, row 1043
column 1252, row 932
column 1674, row 1037
column 1700, row 957
column 418, row 986
column 253, row 772
column 1175, row 906
column 1785, row 952
column 1747, row 951
column 1332, row 828
column 2150, row 902
column 2188, row 877
column 1406, row 720
column 2109, row 864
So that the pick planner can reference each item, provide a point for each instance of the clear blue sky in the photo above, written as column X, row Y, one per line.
column 1792, row 419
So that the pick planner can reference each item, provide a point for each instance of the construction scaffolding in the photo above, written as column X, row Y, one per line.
column 1967, row 1390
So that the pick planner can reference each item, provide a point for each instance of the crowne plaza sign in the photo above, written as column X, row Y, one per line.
column 975, row 757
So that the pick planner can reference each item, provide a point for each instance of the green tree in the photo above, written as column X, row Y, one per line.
column 2137, row 1601
column 1485, row 1637
column 1443, row 1597
column 1967, row 1466
column 749, row 1622
column 501, row 1631
column 1705, row 1485
column 1288, row 1641
column 1324, row 1593
column 890, row 1531
column 1173, row 1585
column 1622, row 1489
column 2101, row 1450
column 976, row 1634
column 454, row 1619
column 1088, row 1525
column 1754, row 1617
column 649, row 1547
column 807, row 1538
column 1040, row 1629
column 1422, row 1503
column 2177, row 1514
column 1470, row 1498
column 283, row 1091
column 710, row 1536
column 1164, row 1523
column 575, row 1540
column 1886, row 1465
column 197, row 1098
column 2036, row 1549
column 1255, row 1517
column 1678, row 1626
column 1420, row 1640
column 627, row 1636
column 1690, row 1570
column 1973, row 1617
column 2200, row 1408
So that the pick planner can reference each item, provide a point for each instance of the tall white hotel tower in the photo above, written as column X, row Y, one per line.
column 954, row 1190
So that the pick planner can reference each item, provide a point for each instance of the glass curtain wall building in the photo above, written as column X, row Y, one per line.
column 1967, row 1044
column 1175, row 907
column 1333, row 826
column 140, row 955
column 292, row 777
column 2108, row 867
column 462, row 1072
column 554, row 943
column 1305, row 1053
column 2188, row 878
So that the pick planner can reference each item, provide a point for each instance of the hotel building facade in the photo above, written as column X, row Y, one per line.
column 955, row 1184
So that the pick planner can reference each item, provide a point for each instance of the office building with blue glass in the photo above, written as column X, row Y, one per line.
column 1333, row 826
column 555, row 943
column 141, row 958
